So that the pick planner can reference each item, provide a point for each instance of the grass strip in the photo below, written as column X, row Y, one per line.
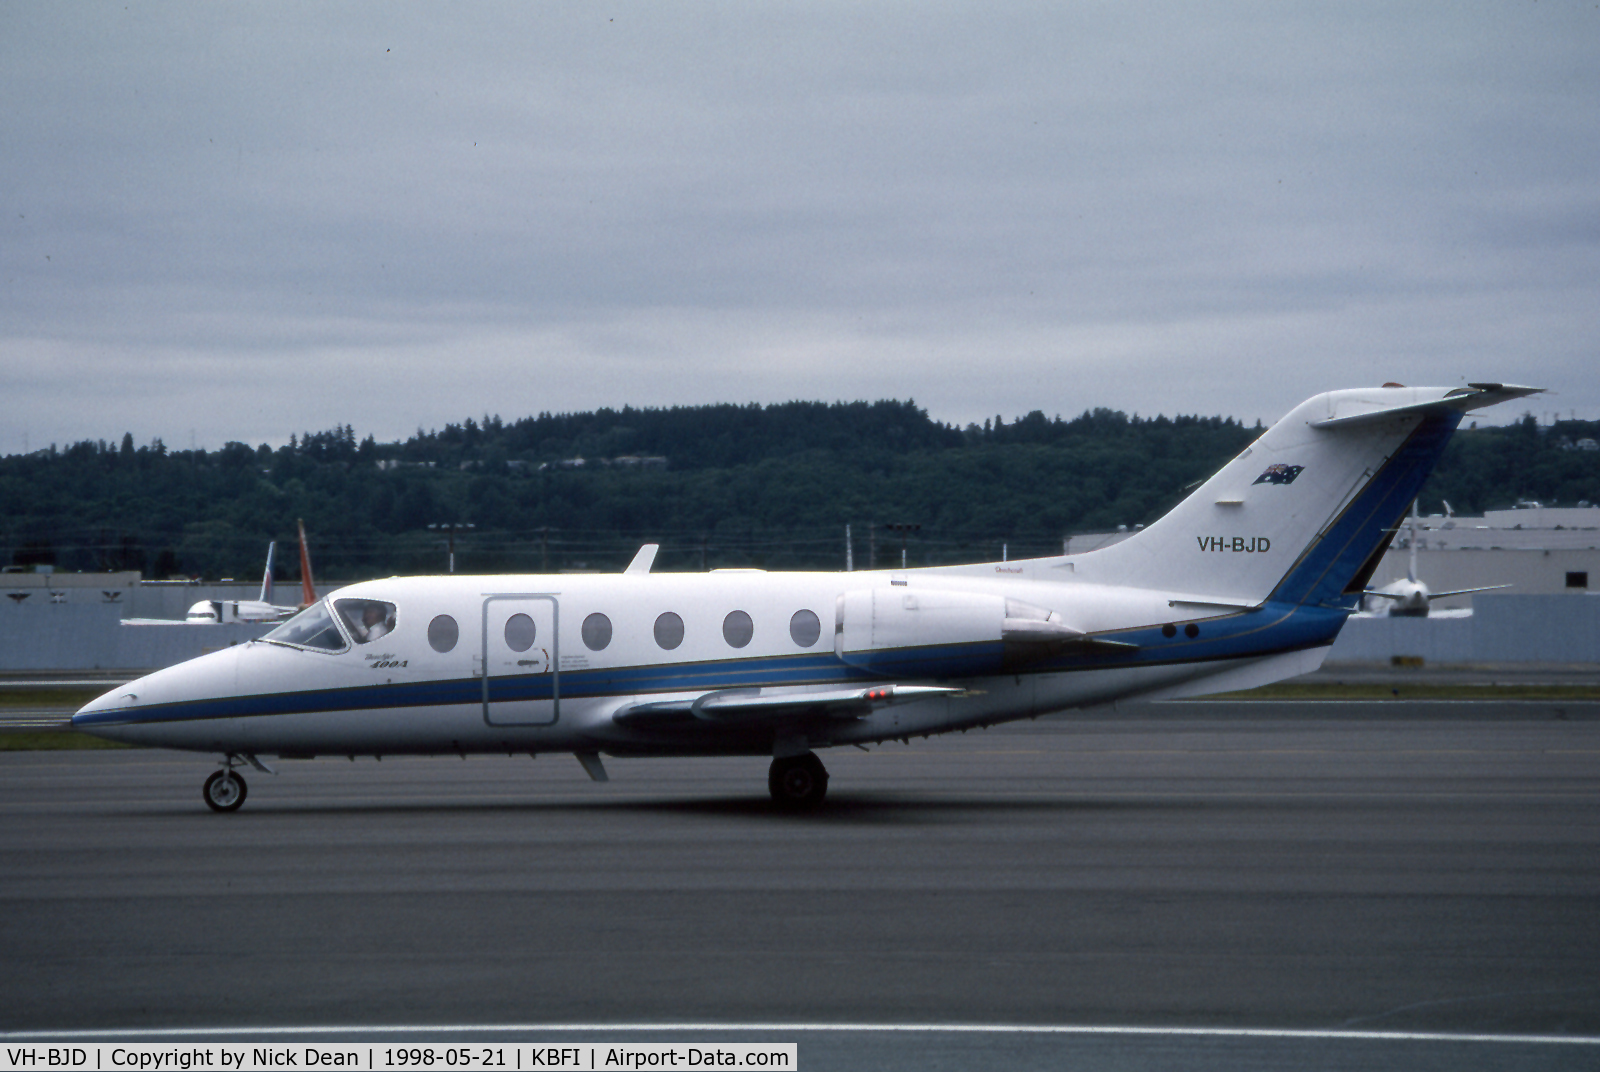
column 73, row 696
column 53, row 741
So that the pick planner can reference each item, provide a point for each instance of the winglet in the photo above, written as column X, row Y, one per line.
column 642, row 561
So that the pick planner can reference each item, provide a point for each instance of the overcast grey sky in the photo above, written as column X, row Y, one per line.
column 238, row 221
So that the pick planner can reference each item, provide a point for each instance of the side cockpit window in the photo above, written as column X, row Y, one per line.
column 311, row 628
column 366, row 619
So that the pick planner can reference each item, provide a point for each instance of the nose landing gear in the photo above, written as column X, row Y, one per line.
column 798, row 782
column 225, row 790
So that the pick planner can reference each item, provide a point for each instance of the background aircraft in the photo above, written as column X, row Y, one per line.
column 1410, row 598
column 1246, row 581
column 221, row 611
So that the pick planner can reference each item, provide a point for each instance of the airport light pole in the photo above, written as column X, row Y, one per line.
column 451, row 528
column 904, row 531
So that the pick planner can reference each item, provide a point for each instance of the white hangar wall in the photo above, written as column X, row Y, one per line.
column 1503, row 628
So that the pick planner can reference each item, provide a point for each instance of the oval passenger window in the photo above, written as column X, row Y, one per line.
column 737, row 629
column 443, row 633
column 596, row 632
column 669, row 631
column 804, row 628
column 520, row 632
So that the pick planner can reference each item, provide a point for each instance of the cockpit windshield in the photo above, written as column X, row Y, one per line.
column 366, row 619
column 311, row 628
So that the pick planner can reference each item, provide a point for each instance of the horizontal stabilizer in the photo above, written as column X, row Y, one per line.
column 1354, row 412
column 747, row 706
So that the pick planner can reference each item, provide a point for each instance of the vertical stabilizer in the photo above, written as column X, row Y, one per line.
column 1303, row 514
column 1411, row 563
column 308, row 591
column 266, row 578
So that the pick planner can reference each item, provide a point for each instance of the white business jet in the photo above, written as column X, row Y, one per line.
column 1245, row 582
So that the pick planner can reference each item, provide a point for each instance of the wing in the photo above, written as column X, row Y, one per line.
column 747, row 707
column 1467, row 591
column 1435, row 595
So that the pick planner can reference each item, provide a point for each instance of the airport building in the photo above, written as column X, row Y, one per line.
column 1537, row 550
column 53, row 621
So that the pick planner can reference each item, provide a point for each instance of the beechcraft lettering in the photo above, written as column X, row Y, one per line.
column 784, row 665
column 1234, row 543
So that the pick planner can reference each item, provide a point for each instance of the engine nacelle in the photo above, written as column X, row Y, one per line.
column 899, row 631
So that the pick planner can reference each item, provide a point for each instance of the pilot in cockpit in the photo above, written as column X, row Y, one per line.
column 367, row 619
column 373, row 623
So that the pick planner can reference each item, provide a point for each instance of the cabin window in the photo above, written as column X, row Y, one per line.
column 596, row 632
column 804, row 628
column 443, row 632
column 1578, row 579
column 311, row 628
column 737, row 629
column 366, row 619
column 669, row 631
column 520, row 632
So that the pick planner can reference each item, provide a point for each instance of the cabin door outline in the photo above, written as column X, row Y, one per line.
column 501, row 661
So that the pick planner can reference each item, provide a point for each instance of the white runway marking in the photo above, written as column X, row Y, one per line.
column 780, row 1028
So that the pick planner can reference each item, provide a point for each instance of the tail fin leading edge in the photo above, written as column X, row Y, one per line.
column 266, row 578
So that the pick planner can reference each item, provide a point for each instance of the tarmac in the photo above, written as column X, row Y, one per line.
column 1275, row 889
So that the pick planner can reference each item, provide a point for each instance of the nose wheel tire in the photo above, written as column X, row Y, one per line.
column 225, row 791
column 798, row 782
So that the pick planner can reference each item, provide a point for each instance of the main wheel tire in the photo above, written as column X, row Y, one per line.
column 225, row 791
column 798, row 782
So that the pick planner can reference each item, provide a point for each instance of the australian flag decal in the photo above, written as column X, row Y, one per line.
column 1279, row 474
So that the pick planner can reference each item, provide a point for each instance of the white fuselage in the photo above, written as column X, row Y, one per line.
column 398, row 693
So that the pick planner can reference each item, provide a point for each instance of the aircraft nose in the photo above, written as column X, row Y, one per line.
column 107, row 707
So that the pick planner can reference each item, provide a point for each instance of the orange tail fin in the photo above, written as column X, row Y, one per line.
column 308, row 592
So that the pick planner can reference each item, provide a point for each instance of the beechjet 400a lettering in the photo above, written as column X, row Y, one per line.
column 1245, row 582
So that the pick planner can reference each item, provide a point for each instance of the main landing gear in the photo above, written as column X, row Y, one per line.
column 225, row 790
column 798, row 782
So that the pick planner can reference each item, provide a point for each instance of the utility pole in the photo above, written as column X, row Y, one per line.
column 849, row 552
column 544, row 548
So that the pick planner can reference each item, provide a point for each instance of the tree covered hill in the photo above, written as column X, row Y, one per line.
column 771, row 486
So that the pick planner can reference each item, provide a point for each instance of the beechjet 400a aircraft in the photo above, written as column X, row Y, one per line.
column 1245, row 582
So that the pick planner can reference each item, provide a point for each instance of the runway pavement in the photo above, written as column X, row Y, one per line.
column 1294, row 873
